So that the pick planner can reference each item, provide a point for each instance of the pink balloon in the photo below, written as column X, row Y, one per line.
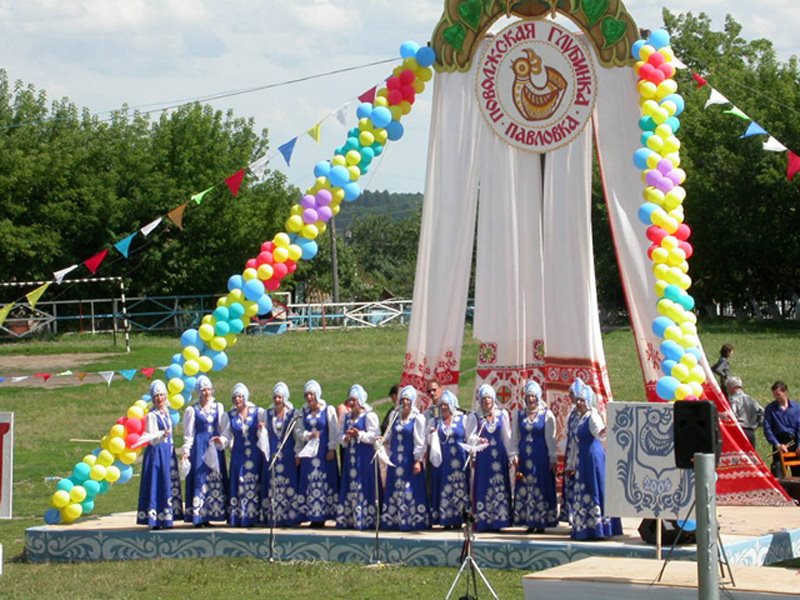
column 665, row 185
column 665, row 166
column 325, row 213
column 653, row 177
column 308, row 201
column 310, row 216
column 674, row 177
column 323, row 198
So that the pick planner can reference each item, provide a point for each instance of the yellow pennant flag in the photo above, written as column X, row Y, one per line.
column 33, row 297
column 315, row 132
column 4, row 312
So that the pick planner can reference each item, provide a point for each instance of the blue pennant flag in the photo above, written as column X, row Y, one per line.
column 2, row 379
column 124, row 245
column 128, row 373
column 754, row 129
column 287, row 149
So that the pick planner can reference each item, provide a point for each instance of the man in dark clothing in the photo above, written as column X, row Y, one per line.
column 781, row 424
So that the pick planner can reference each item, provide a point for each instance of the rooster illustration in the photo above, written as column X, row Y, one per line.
column 536, row 102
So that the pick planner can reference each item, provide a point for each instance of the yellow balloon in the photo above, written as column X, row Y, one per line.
column 654, row 195
column 71, row 512
column 206, row 331
column 354, row 171
column 673, row 333
column 652, row 160
column 671, row 201
column 190, row 368
column 176, row 401
column 294, row 223
column 249, row 273
column 335, row 210
column 666, row 88
column 112, row 474
column 191, row 353
column 310, row 232
column 98, row 473
column 655, row 143
column 697, row 374
column 105, row 457
column 232, row 339
column 645, row 51
column 281, row 240
column 353, row 157
column 365, row 124
column 208, row 320
column 411, row 64
column 321, row 227
column 135, row 412
column 661, row 271
column 219, row 344
column 424, row 74
column 117, row 430
column 77, row 493
column 682, row 391
column 60, row 499
column 647, row 89
column 419, row 86
column 680, row 372
column 280, row 254
column 141, row 404
column 206, row 364
column 127, row 457
column 649, row 107
column 236, row 295
column 667, row 53
column 338, row 196
column 664, row 305
column 223, row 301
column 697, row 389
column 366, row 138
column 381, row 136
column 659, row 255
column 265, row 272
column 296, row 209
column 175, row 385
column 664, row 131
column 671, row 145
column 295, row 252
column 660, row 287
column 250, row 309
column 116, row 445
column 381, row 100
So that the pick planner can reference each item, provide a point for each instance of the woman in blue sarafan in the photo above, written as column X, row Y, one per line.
column 449, row 479
column 360, row 428
column 316, row 440
column 160, row 500
column 492, row 489
column 240, row 430
column 588, row 490
column 282, row 491
column 405, row 506
column 207, row 480
column 534, row 436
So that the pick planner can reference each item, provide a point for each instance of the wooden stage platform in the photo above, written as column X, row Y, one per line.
column 752, row 536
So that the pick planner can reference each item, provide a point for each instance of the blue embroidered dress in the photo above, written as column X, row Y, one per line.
column 160, row 500
column 284, row 489
column 492, row 500
column 588, row 493
column 244, row 494
column 405, row 507
column 206, row 489
column 570, row 462
column 535, row 505
column 318, row 483
column 356, row 507
column 449, row 479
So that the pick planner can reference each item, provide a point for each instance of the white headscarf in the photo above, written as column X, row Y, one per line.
column 484, row 391
column 203, row 383
column 360, row 394
column 450, row 399
column 579, row 389
column 314, row 387
column 282, row 390
column 241, row 389
column 157, row 387
column 532, row 388
column 408, row 392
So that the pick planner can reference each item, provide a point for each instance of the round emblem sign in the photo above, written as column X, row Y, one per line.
column 536, row 85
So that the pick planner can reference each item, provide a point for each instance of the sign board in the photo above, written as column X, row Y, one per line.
column 6, row 463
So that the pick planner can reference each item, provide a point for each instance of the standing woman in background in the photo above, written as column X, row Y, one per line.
column 240, row 429
column 722, row 368
column 534, row 433
column 405, row 507
column 281, row 493
column 492, row 500
column 160, row 488
column 207, row 481
column 357, row 495
column 317, row 437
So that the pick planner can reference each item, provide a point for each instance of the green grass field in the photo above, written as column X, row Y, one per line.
column 46, row 419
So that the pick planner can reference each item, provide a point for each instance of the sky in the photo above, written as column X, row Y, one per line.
column 145, row 53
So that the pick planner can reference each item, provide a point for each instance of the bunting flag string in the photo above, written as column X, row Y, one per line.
column 4, row 312
column 33, row 297
column 94, row 262
column 234, row 182
column 200, row 196
column 369, row 95
column 753, row 129
column 59, row 275
column 315, row 133
column 148, row 229
column 124, row 244
column 106, row 375
column 176, row 215
column 773, row 145
column 286, row 150
column 736, row 112
column 793, row 167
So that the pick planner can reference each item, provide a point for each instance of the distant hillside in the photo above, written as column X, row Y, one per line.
column 397, row 207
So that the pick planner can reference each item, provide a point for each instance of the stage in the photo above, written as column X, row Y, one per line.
column 752, row 536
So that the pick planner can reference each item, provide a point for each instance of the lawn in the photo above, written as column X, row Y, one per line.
column 46, row 419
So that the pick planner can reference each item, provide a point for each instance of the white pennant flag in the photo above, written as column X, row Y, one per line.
column 678, row 63
column 18, row 379
column 716, row 98
column 258, row 167
column 107, row 376
column 147, row 229
column 773, row 145
column 341, row 115
column 59, row 275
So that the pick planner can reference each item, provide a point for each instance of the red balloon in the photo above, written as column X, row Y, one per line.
column 291, row 265
column 407, row 77
column 268, row 246
column 395, row 97
column 265, row 258
column 272, row 284
column 409, row 93
column 393, row 83
column 655, row 234
column 656, row 76
column 667, row 69
column 251, row 263
column 279, row 270
column 687, row 248
column 683, row 232
column 656, row 59
column 645, row 71
column 134, row 426
column 650, row 250
column 121, row 421
column 131, row 439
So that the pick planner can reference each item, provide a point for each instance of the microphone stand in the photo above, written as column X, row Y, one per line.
column 376, row 551
column 273, row 460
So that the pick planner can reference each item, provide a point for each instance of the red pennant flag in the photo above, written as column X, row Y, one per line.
column 369, row 95
column 235, row 182
column 793, row 166
column 148, row 371
column 94, row 263
column 699, row 79
column 44, row 376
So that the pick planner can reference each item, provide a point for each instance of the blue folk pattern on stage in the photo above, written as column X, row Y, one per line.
column 643, row 480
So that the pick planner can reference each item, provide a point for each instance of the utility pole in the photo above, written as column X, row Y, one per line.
column 334, row 261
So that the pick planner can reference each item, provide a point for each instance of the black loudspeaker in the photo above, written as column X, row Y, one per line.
column 669, row 532
column 696, row 430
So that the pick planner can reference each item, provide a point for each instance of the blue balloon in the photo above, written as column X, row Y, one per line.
column 673, row 292
column 674, row 123
column 666, row 386
column 695, row 352
column 253, row 289
column 322, row 168
column 235, row 282
column 92, row 487
column 52, row 516
column 409, row 49
column 667, row 366
column 679, row 103
column 219, row 361
column 338, row 151
column 686, row 301
column 339, row 175
column 367, row 154
column 176, row 418
column 377, row 148
column 264, row 304
column 177, row 358
column 65, row 485
column 636, row 48
column 125, row 473
column 190, row 337
column 426, row 56
column 173, row 371
column 88, row 505
column 640, row 157
column 310, row 250
column 394, row 130
column 660, row 324
column 647, row 124
column 671, row 350
column 658, row 39
column 222, row 328
column 381, row 117
column 221, row 313
column 236, row 309
column 364, row 110
column 351, row 144
column 104, row 485
column 645, row 210
column 236, row 325
column 351, row 191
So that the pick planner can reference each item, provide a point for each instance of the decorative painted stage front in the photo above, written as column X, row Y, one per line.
column 749, row 537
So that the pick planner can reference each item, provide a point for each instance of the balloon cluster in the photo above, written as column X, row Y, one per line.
column 204, row 349
column 110, row 463
column 659, row 160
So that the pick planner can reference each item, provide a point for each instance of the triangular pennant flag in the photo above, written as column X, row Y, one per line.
column 341, row 115
column 699, row 79
column 235, row 182
column 128, row 373
column 199, row 197
column 44, row 376
column 793, row 167
column 124, row 244
column 315, row 133
column 4, row 312
column 176, row 215
column 773, row 145
column 107, row 376
column 81, row 375
column 94, row 262
column 148, row 371
column 59, row 275
column 678, row 63
column 66, row 373
column 33, row 297
column 18, row 379
column 258, row 167
column 286, row 150
column 148, row 229
column 369, row 95
column 2, row 379
column 716, row 98
column 753, row 129
column 736, row 112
